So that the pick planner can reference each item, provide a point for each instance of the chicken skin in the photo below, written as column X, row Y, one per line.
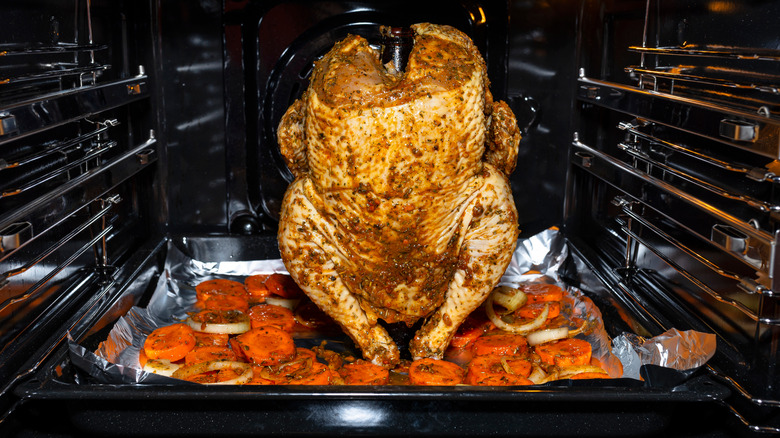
column 401, row 208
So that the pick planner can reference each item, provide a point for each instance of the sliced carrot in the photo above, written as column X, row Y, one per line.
column 211, row 339
column 255, row 286
column 225, row 302
column 364, row 373
column 542, row 292
column 497, row 370
column 283, row 286
column 171, row 342
column 472, row 328
column 142, row 358
column 317, row 374
column 502, row 343
column 433, row 372
column 213, row 376
column 205, row 354
column 531, row 311
column 565, row 352
column 238, row 350
column 589, row 375
column 219, row 286
column 267, row 345
column 269, row 315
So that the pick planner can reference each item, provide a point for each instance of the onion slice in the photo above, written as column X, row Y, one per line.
column 514, row 328
column 579, row 369
column 289, row 303
column 240, row 324
column 509, row 298
column 216, row 365
column 547, row 335
column 163, row 367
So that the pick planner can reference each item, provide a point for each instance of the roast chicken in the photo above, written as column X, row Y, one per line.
column 401, row 208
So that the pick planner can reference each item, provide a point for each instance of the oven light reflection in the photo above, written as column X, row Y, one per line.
column 360, row 414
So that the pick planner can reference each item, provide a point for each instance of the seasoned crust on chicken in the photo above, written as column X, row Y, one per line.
column 401, row 208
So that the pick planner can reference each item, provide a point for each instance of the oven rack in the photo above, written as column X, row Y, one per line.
column 705, row 51
column 757, row 132
column 711, row 224
column 24, row 118
column 22, row 225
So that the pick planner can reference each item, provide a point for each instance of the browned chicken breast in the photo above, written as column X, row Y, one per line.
column 401, row 208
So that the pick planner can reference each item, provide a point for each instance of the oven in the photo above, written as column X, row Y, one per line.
column 651, row 139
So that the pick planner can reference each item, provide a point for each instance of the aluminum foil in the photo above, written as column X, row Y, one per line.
column 536, row 259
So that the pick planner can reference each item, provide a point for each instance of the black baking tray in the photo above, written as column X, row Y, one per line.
column 667, row 403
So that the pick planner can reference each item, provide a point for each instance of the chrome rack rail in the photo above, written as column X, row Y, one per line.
column 19, row 227
column 753, row 131
column 635, row 152
column 43, row 49
column 753, row 246
column 711, row 52
column 747, row 285
column 753, row 173
column 48, row 150
column 56, row 109
column 92, row 153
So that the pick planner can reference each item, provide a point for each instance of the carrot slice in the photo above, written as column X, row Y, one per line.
column 317, row 374
column 225, row 302
column 255, row 286
column 433, row 372
column 502, row 343
column 211, row 339
column 542, row 292
column 531, row 311
column 471, row 329
column 269, row 315
column 205, row 354
column 497, row 370
column 171, row 342
column 589, row 375
column 142, row 358
column 364, row 373
column 219, row 286
column 267, row 345
column 565, row 352
column 283, row 286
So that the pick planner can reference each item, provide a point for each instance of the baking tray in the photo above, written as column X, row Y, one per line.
column 667, row 400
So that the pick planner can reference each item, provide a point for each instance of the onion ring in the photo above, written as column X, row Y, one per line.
column 509, row 298
column 241, row 324
column 289, row 303
column 547, row 335
column 512, row 328
column 215, row 365
column 579, row 369
column 162, row 367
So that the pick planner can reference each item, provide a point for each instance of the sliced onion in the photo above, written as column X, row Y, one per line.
column 216, row 365
column 509, row 298
column 538, row 376
column 163, row 367
column 289, row 303
column 514, row 328
column 241, row 325
column 547, row 335
column 579, row 369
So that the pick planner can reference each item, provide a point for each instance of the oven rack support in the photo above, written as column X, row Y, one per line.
column 705, row 119
column 711, row 222
column 49, row 111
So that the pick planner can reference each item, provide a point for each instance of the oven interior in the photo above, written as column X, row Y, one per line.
column 651, row 138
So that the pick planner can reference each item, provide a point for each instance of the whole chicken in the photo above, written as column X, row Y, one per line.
column 401, row 208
